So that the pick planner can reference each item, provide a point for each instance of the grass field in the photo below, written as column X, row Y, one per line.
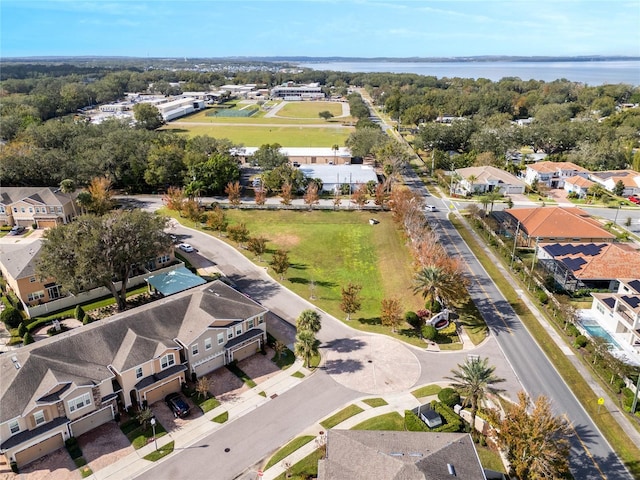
column 309, row 110
column 333, row 248
column 254, row 136
column 257, row 118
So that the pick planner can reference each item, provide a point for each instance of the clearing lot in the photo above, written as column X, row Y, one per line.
column 309, row 110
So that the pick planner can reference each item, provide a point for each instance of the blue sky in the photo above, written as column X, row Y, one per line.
column 362, row 28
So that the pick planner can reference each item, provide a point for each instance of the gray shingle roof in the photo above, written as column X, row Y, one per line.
column 81, row 356
column 361, row 454
column 20, row 259
column 41, row 195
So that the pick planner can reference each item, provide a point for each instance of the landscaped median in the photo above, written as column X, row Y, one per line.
column 615, row 435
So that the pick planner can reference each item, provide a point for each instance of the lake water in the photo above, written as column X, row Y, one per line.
column 590, row 73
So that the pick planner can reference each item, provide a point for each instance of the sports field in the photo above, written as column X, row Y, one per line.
column 309, row 110
column 254, row 136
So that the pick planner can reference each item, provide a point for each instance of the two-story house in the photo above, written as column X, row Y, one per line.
column 609, row 179
column 620, row 312
column 43, row 206
column 553, row 174
column 18, row 266
column 69, row 384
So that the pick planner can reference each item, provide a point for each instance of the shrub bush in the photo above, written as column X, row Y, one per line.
column 11, row 317
column 87, row 319
column 22, row 329
column 573, row 330
column 429, row 332
column 78, row 313
column 543, row 298
column 413, row 319
column 581, row 341
column 449, row 397
column 14, row 467
column 452, row 421
column 27, row 339
column 412, row 422
column 450, row 329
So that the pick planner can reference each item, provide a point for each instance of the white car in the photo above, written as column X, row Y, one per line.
column 430, row 208
column 185, row 247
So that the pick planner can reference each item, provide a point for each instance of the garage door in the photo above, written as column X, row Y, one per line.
column 47, row 223
column 247, row 351
column 92, row 421
column 209, row 366
column 41, row 449
column 157, row 394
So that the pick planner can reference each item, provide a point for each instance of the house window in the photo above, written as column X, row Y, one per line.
column 207, row 344
column 32, row 279
column 30, row 209
column 39, row 418
column 59, row 209
column 2, row 210
column 250, row 323
column 238, row 329
column 79, row 402
column 22, row 209
column 15, row 209
column 14, row 427
column 261, row 320
column 167, row 361
column 164, row 259
column 139, row 372
column 194, row 349
column 37, row 209
column 35, row 295
column 230, row 333
column 220, row 338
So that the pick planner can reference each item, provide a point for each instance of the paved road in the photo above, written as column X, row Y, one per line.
column 526, row 366
column 591, row 455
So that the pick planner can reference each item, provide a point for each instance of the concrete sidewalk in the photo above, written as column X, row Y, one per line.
column 396, row 403
column 134, row 464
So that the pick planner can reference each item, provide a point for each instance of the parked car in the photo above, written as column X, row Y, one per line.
column 634, row 199
column 177, row 404
column 430, row 208
column 17, row 230
column 185, row 247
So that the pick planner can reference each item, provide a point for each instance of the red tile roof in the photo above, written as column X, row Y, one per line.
column 550, row 222
column 610, row 261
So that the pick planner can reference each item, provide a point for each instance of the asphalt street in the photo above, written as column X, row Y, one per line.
column 510, row 348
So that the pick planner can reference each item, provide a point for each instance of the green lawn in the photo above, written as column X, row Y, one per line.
column 628, row 452
column 257, row 118
column 309, row 110
column 341, row 416
column 206, row 404
column 139, row 436
column 297, row 374
column 375, row 402
column 161, row 452
column 389, row 421
column 490, row 459
column 254, row 136
column 288, row 449
column 360, row 253
column 285, row 360
column 426, row 391
column 305, row 468
column 223, row 417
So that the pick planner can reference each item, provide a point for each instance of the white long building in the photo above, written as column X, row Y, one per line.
column 179, row 108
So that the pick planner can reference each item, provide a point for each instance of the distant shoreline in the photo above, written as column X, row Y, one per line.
column 306, row 59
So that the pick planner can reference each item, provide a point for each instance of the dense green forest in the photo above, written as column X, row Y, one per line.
column 44, row 142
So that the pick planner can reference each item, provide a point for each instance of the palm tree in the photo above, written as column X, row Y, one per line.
column 306, row 346
column 438, row 284
column 309, row 320
column 335, row 147
column 474, row 380
column 470, row 180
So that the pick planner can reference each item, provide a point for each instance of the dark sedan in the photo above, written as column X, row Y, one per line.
column 177, row 404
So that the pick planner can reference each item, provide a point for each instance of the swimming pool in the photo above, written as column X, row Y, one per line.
column 596, row 330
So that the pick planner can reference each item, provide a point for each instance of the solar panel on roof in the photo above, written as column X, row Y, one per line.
column 592, row 249
column 635, row 284
column 633, row 302
column 554, row 249
column 610, row 301
column 574, row 264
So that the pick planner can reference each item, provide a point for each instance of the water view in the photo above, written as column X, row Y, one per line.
column 590, row 73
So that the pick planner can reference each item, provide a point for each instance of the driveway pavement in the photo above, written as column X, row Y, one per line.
column 104, row 445
column 171, row 423
column 55, row 466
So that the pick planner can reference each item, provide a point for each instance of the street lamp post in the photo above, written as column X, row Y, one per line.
column 615, row 220
column 153, row 427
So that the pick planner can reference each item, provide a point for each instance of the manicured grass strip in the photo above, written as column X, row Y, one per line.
column 263, row 394
column 297, row 374
column 489, row 459
column 315, row 361
column 161, row 452
column 237, row 371
column 305, row 468
column 375, row 402
column 223, row 417
column 426, row 391
column 139, row 436
column 206, row 404
column 450, row 346
column 288, row 449
column 389, row 421
column 86, row 472
column 626, row 450
column 472, row 321
column 341, row 416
